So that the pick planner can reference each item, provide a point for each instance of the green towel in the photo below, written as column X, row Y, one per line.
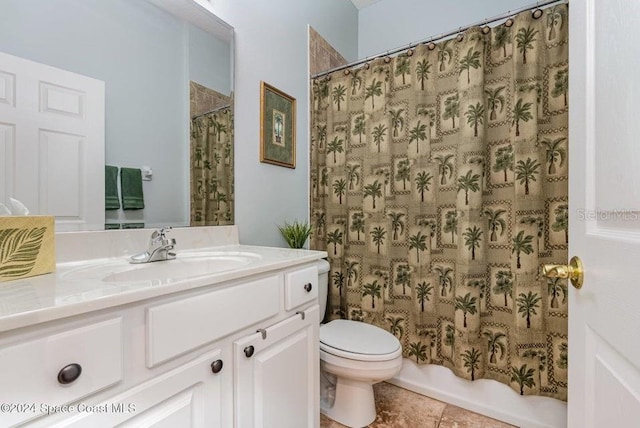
column 131, row 188
column 133, row 225
column 111, row 200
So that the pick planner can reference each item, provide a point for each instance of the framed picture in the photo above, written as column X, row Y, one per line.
column 277, row 127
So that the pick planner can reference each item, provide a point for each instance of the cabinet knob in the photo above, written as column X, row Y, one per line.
column 308, row 286
column 69, row 373
column 248, row 351
column 216, row 366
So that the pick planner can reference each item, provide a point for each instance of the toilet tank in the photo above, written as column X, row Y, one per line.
column 323, row 285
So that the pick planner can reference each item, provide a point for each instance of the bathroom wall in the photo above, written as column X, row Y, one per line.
column 387, row 25
column 271, row 44
column 392, row 23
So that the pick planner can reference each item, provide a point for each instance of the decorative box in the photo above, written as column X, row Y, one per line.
column 27, row 246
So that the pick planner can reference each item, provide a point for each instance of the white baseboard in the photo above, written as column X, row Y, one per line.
column 483, row 396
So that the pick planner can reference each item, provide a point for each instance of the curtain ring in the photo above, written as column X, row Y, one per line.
column 387, row 59
column 346, row 71
column 486, row 29
column 431, row 46
column 537, row 13
column 509, row 23
column 409, row 50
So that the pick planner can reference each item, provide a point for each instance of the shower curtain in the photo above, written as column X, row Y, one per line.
column 212, row 169
column 439, row 188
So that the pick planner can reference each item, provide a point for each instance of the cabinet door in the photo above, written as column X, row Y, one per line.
column 276, row 375
column 188, row 396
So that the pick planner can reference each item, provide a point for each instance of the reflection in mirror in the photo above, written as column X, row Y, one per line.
column 160, row 63
column 211, row 165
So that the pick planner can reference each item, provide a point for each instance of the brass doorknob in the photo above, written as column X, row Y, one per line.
column 573, row 271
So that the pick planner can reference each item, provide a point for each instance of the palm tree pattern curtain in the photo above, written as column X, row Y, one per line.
column 212, row 169
column 439, row 187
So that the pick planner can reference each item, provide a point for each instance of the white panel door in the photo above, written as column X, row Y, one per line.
column 52, row 142
column 276, row 377
column 604, row 222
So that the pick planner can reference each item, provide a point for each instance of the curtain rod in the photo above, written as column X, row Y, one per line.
column 211, row 111
column 508, row 14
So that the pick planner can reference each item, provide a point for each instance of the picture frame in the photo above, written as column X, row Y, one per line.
column 277, row 127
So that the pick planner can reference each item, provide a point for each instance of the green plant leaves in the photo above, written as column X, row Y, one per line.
column 18, row 250
column 295, row 234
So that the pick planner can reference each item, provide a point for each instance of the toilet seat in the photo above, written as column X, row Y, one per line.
column 358, row 341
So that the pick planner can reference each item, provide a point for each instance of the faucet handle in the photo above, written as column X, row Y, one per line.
column 160, row 234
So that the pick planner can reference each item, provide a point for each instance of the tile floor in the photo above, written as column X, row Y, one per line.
column 400, row 408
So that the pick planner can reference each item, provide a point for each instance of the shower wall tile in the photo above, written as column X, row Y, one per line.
column 203, row 99
column 322, row 56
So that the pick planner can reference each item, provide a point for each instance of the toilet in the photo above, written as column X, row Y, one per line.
column 353, row 357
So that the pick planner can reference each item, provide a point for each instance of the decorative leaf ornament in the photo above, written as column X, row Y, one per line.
column 18, row 250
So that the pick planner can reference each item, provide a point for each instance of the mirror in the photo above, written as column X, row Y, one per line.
column 162, row 62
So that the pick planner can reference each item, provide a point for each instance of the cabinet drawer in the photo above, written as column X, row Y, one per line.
column 30, row 370
column 189, row 396
column 300, row 286
column 183, row 325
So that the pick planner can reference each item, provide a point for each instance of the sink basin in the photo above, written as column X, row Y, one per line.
column 185, row 265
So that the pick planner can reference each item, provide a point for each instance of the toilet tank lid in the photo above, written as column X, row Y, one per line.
column 358, row 338
column 323, row 266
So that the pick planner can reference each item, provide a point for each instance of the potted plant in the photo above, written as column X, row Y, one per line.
column 296, row 233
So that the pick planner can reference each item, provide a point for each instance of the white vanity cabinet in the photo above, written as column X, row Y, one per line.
column 177, row 360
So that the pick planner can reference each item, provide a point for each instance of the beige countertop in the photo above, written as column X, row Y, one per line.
column 83, row 286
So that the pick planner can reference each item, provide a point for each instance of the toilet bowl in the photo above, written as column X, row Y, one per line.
column 353, row 357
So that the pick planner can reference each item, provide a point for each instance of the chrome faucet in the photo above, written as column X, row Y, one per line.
column 159, row 248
